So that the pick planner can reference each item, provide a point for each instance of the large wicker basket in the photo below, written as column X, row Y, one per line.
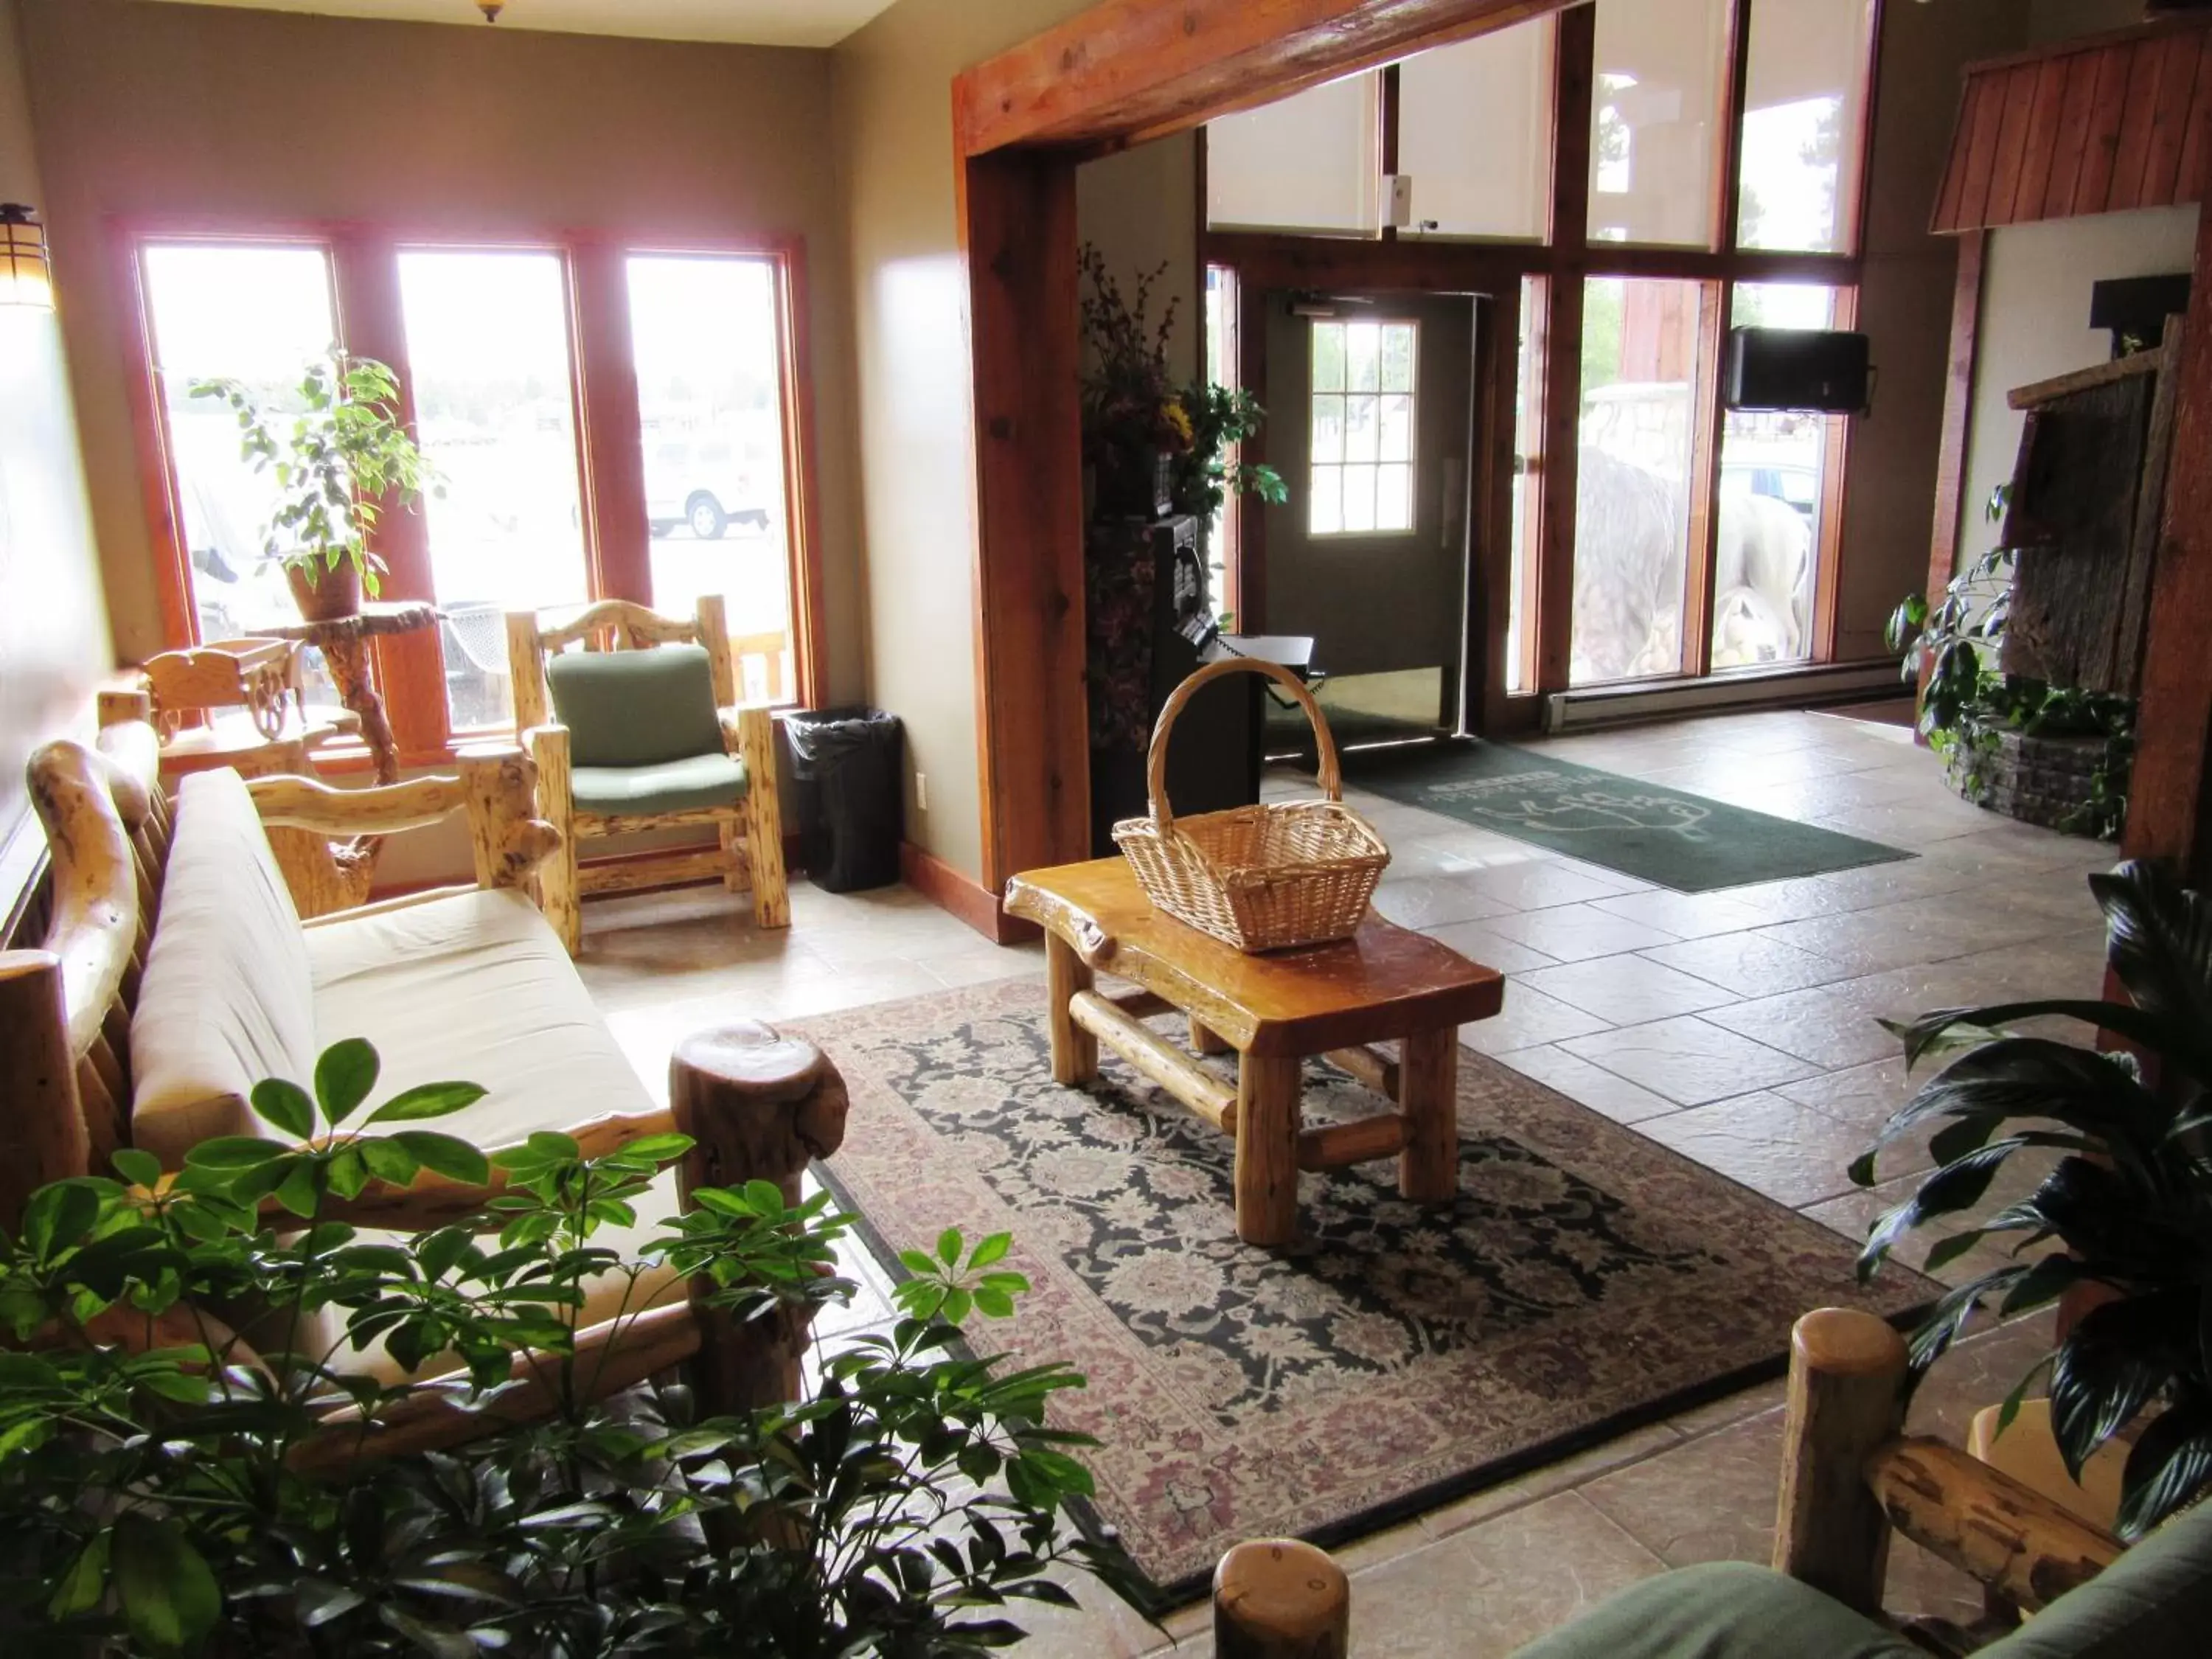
column 1268, row 878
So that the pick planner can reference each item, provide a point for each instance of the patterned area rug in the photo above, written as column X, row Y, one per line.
column 1587, row 1281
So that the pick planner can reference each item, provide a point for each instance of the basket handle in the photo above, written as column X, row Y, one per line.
column 1156, row 760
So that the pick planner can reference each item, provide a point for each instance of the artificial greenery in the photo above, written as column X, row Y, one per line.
column 1968, row 704
column 2128, row 1207
column 1132, row 409
column 342, row 452
column 169, row 1486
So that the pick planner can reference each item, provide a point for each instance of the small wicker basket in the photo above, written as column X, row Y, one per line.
column 1273, row 877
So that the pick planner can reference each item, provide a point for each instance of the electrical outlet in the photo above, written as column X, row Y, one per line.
column 921, row 791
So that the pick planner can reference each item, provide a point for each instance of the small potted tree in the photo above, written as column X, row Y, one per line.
column 334, row 462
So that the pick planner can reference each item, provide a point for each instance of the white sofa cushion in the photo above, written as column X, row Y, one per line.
column 476, row 988
column 227, row 999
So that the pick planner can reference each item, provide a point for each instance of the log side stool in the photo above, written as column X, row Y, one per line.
column 1385, row 983
column 759, row 1106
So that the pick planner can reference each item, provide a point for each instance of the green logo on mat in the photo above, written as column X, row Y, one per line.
column 1563, row 804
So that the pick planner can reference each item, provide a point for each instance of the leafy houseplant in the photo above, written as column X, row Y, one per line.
column 2129, row 1206
column 342, row 454
column 166, row 1488
column 1968, row 708
column 1145, row 439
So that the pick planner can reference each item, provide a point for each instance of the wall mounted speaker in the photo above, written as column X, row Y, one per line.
column 1823, row 372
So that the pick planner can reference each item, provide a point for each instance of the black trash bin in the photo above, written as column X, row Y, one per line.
column 846, row 762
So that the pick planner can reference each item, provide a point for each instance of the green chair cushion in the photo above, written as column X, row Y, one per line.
column 2155, row 1602
column 676, row 785
column 1720, row 1610
column 636, row 708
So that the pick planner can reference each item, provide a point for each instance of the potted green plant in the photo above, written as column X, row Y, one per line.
column 2126, row 1212
column 334, row 460
column 2053, row 754
column 164, row 1489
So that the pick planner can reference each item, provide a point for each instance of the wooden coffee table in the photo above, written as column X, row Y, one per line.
column 1384, row 984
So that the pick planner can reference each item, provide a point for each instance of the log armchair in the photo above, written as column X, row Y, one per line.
column 632, row 720
column 1850, row 1480
column 165, row 950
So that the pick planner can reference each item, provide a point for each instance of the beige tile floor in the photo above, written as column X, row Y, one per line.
column 1736, row 1028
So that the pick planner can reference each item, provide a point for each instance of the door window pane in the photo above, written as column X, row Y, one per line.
column 488, row 348
column 1632, row 501
column 1361, row 427
column 1804, row 97
column 1474, row 133
column 709, row 384
column 1654, row 161
column 1772, row 470
column 1311, row 162
column 262, row 315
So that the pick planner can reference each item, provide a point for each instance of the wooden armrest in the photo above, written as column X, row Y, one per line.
column 2028, row 1549
column 611, row 1357
column 288, row 803
column 433, row 1201
column 741, row 722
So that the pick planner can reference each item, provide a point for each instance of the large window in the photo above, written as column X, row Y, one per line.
column 1474, row 134
column 260, row 315
column 1773, row 487
column 1363, row 428
column 1656, row 125
column 1805, row 98
column 1640, row 365
column 1310, row 162
column 495, row 410
column 709, row 402
column 539, row 507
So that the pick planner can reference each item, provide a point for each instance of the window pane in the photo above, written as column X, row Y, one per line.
column 1772, row 473
column 1397, row 429
column 1363, row 352
column 1311, row 163
column 488, row 346
column 1654, row 161
column 261, row 315
column 1360, row 433
column 1474, row 133
column 1326, row 515
column 709, row 378
column 1804, row 95
column 1358, row 498
column 1328, row 429
column 1398, row 347
column 1393, row 498
column 1631, row 535
column 1329, row 356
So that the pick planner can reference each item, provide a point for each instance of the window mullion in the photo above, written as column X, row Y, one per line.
column 410, row 667
column 1729, row 218
column 610, row 429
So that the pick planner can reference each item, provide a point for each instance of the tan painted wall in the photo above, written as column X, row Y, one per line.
column 914, row 397
column 53, row 632
column 194, row 109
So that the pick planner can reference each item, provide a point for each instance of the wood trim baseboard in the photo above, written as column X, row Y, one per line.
column 962, row 895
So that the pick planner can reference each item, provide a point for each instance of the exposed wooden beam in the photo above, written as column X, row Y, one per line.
column 1129, row 70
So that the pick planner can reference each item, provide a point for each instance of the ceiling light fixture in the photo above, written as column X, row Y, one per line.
column 491, row 9
column 25, row 277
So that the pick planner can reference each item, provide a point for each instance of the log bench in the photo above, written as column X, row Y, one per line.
column 1386, row 984
column 175, row 973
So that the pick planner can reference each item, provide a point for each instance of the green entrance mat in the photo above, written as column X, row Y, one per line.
column 1643, row 829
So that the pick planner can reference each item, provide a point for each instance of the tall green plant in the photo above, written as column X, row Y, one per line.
column 333, row 463
column 2129, row 1206
column 169, row 1486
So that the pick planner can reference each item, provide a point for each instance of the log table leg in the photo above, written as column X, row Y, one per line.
column 1203, row 1040
column 1428, row 1084
column 1075, row 1050
column 1268, row 1148
column 761, row 1107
